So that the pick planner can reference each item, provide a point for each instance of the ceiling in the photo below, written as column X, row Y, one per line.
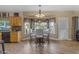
column 36, row 8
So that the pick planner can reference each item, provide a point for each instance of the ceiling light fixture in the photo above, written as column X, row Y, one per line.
column 40, row 15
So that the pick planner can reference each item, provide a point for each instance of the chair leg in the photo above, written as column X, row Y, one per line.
column 3, row 48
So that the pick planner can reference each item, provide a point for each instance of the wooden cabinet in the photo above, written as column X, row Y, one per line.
column 15, row 36
column 11, row 20
column 6, row 37
column 10, row 36
column 15, row 21
column 0, row 35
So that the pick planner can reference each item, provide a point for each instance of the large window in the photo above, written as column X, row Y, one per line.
column 52, row 27
column 40, row 25
column 27, row 27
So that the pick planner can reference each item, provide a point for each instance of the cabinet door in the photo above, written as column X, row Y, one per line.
column 13, row 36
column 18, row 21
column 10, row 19
column 6, row 36
column 0, row 36
column 15, row 21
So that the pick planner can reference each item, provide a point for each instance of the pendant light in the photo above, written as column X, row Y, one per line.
column 40, row 15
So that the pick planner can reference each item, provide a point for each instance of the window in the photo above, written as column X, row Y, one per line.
column 27, row 27
column 52, row 27
column 4, row 25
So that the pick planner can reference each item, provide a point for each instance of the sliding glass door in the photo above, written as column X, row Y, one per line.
column 63, row 28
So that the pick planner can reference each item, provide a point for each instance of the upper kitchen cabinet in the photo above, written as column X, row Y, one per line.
column 15, row 20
